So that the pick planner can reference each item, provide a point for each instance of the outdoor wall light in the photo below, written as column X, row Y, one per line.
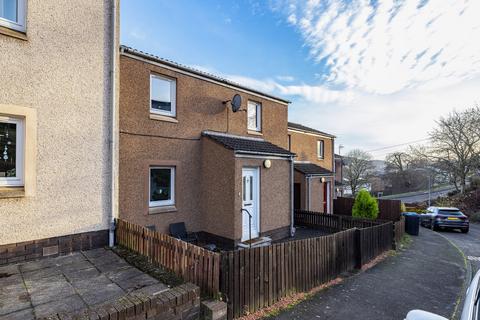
column 323, row 180
column 267, row 163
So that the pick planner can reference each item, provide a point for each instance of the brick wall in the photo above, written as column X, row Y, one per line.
column 179, row 303
column 52, row 247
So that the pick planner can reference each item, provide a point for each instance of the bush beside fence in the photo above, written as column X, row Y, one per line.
column 389, row 209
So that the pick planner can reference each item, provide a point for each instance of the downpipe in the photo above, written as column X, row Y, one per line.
column 292, row 213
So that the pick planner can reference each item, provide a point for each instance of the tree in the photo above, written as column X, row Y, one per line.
column 357, row 169
column 455, row 145
column 365, row 206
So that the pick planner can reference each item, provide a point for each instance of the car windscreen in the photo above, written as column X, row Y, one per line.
column 450, row 212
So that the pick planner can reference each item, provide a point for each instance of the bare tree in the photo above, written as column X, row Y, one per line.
column 357, row 169
column 455, row 145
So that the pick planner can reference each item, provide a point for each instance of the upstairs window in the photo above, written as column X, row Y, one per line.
column 320, row 149
column 254, row 114
column 162, row 186
column 162, row 95
column 11, row 151
column 12, row 14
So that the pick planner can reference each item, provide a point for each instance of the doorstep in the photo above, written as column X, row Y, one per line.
column 255, row 243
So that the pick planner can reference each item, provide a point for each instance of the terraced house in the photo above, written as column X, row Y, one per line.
column 314, row 181
column 56, row 126
column 191, row 153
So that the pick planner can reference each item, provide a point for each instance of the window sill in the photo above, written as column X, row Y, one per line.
column 256, row 133
column 12, row 192
column 13, row 33
column 165, row 209
column 159, row 117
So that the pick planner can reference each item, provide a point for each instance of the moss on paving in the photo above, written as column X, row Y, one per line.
column 141, row 262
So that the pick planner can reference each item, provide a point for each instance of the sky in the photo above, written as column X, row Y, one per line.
column 377, row 74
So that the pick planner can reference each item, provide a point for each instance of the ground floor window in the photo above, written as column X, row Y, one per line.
column 162, row 186
column 11, row 151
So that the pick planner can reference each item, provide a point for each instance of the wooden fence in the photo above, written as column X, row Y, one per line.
column 252, row 279
column 192, row 263
column 388, row 209
column 331, row 223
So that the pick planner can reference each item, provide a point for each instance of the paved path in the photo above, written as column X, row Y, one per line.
column 428, row 276
column 69, row 284
column 469, row 243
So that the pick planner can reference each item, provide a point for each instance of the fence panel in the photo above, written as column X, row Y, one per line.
column 192, row 263
column 259, row 277
column 388, row 209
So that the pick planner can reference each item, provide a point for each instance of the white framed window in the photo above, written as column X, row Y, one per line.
column 320, row 149
column 254, row 116
column 162, row 186
column 11, row 151
column 13, row 13
column 162, row 95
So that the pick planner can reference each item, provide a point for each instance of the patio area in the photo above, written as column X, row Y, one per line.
column 70, row 284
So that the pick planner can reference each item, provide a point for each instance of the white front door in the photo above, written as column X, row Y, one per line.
column 250, row 203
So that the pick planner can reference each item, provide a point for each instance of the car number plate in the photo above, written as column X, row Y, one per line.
column 450, row 218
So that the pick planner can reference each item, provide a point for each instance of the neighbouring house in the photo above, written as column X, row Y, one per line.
column 56, row 102
column 314, row 179
column 339, row 184
column 187, row 155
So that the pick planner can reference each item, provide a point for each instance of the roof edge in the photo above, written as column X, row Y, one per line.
column 131, row 51
column 304, row 129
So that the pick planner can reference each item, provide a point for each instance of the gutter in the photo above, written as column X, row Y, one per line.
column 113, row 130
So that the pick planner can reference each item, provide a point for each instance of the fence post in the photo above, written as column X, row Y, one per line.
column 394, row 237
column 358, row 248
column 340, row 223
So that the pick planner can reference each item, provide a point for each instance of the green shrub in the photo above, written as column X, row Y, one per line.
column 365, row 206
column 403, row 208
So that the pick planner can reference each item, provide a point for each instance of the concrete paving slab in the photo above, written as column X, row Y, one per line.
column 42, row 273
column 13, row 298
column 36, row 265
column 151, row 290
column 138, row 282
column 49, row 289
column 67, row 304
column 26, row 314
column 119, row 275
column 101, row 294
column 82, row 274
column 9, row 270
column 69, row 284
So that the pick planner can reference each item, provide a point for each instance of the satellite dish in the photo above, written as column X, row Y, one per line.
column 236, row 102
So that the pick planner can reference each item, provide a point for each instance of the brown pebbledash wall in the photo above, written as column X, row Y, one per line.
column 207, row 175
column 305, row 147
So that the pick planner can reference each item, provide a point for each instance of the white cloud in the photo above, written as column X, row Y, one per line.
column 285, row 78
column 313, row 93
column 391, row 46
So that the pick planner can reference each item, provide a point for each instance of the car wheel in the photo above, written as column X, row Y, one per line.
column 464, row 230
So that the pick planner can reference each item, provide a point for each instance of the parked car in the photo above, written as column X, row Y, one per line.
column 471, row 307
column 445, row 218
